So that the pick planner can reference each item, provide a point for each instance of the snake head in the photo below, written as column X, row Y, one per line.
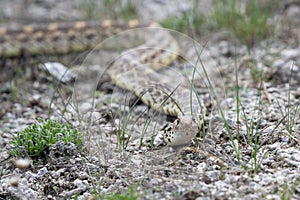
column 181, row 131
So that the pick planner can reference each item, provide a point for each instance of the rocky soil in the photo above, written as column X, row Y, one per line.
column 257, row 157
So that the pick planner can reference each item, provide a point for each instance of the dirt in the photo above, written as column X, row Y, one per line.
column 255, row 155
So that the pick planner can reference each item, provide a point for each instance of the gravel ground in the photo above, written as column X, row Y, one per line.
column 269, row 116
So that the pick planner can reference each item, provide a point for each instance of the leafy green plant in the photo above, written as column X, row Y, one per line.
column 35, row 141
column 247, row 20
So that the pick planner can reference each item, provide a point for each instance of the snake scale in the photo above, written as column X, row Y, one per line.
column 134, row 70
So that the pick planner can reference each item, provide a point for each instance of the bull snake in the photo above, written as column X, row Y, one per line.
column 134, row 70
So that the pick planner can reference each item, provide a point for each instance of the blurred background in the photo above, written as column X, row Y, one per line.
column 250, row 21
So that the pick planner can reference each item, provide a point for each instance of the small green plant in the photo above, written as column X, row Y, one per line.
column 186, row 22
column 292, row 111
column 127, row 11
column 182, row 23
column 36, row 140
column 289, row 190
column 247, row 20
column 90, row 9
column 131, row 194
column 218, row 104
column 123, row 137
column 154, row 130
column 16, row 87
column 116, row 9
column 109, row 9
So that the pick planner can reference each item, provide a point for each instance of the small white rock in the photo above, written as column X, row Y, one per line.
column 289, row 54
column 58, row 71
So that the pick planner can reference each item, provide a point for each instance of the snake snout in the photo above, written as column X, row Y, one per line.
column 181, row 132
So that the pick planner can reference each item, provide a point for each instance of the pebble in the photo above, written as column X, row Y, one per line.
column 289, row 54
column 278, row 63
column 42, row 172
column 56, row 174
column 58, row 71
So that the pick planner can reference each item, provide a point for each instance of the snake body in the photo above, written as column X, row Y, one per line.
column 57, row 38
column 134, row 70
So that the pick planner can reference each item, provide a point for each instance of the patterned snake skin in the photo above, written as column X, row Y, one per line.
column 134, row 70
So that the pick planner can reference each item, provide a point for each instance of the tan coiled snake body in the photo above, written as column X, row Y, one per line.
column 134, row 70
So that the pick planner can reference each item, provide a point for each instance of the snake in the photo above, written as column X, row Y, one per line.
column 136, row 69
column 57, row 37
